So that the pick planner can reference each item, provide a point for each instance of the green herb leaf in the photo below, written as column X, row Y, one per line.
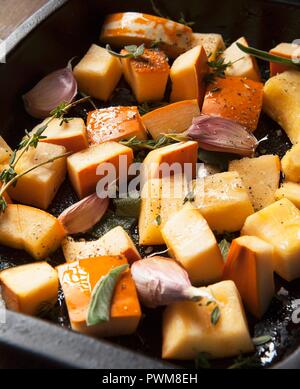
column 202, row 362
column 59, row 111
column 158, row 220
column 245, row 362
column 215, row 316
column 3, row 205
column 110, row 221
column 100, row 304
column 224, row 247
column 260, row 340
column 265, row 56
column 149, row 144
column 183, row 20
column 148, row 107
column 134, row 51
column 128, row 207
column 190, row 197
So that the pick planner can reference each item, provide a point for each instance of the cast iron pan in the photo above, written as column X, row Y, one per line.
column 64, row 29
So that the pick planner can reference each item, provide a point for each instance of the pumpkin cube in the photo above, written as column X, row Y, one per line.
column 29, row 288
column 188, row 75
column 5, row 153
column 223, row 201
column 147, row 75
column 285, row 50
column 290, row 191
column 98, row 73
column 175, row 118
column 10, row 229
column 243, row 65
column 282, row 102
column 279, row 225
column 192, row 243
column 260, row 177
column 177, row 158
column 78, row 279
column 114, row 123
column 212, row 44
column 71, row 134
column 291, row 164
column 188, row 331
column 39, row 187
column 161, row 198
column 115, row 242
column 84, row 165
column 249, row 265
column 235, row 98
column 134, row 28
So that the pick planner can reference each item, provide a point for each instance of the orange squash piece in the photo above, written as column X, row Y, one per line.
column 183, row 153
column 71, row 135
column 187, row 75
column 235, row 98
column 134, row 28
column 147, row 75
column 172, row 118
column 114, row 123
column 82, row 166
column 285, row 50
column 78, row 279
column 249, row 265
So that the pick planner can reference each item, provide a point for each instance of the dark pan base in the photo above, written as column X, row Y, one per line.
column 68, row 32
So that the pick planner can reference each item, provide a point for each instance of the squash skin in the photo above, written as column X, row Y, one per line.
column 285, row 50
column 79, row 278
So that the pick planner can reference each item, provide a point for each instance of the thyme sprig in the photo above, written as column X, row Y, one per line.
column 218, row 67
column 133, row 51
column 149, row 144
column 9, row 176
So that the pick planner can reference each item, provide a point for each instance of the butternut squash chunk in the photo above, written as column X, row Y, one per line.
column 290, row 191
column 223, row 201
column 78, row 279
column 82, row 166
column 188, row 75
column 29, row 288
column 243, row 65
column 160, row 162
column 172, row 118
column 98, row 73
column 279, row 225
column 285, row 50
column 115, row 242
column 282, row 102
column 133, row 28
column 161, row 198
column 5, row 153
column 188, row 331
column 30, row 229
column 250, row 265
column 192, row 243
column 147, row 75
column 39, row 187
column 260, row 176
column 291, row 164
column 212, row 43
column 71, row 135
column 113, row 124
column 235, row 98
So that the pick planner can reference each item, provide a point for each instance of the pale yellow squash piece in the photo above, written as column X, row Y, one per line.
column 212, row 43
column 160, row 199
column 172, row 118
column 98, row 73
column 279, row 225
column 30, row 229
column 188, row 75
column 282, row 102
column 249, row 265
column 114, row 242
column 29, row 289
column 147, row 75
column 188, row 331
column 39, row 187
column 223, row 201
column 72, row 134
column 290, row 164
column 243, row 65
column 260, row 176
column 290, row 191
column 192, row 243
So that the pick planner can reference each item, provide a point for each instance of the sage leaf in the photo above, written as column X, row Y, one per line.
column 260, row 340
column 224, row 247
column 100, row 304
column 215, row 316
